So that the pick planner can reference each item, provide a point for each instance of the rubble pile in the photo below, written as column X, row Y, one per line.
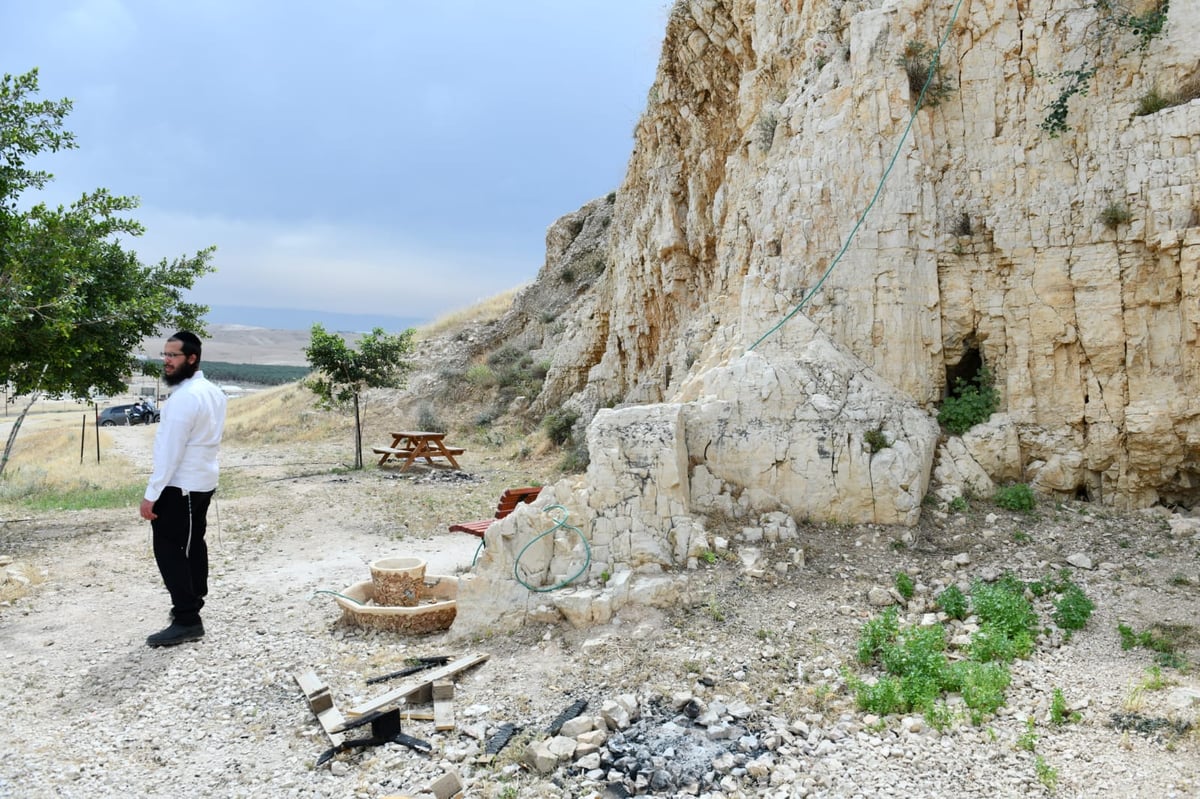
column 661, row 747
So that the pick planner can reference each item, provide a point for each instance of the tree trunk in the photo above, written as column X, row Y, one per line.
column 358, row 461
column 12, row 434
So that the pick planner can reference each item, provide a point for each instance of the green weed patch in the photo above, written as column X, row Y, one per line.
column 917, row 672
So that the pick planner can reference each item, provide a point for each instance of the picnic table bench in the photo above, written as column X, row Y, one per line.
column 409, row 445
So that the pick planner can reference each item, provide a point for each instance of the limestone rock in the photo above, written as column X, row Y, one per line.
column 539, row 757
column 956, row 467
column 1081, row 561
column 880, row 597
column 616, row 715
column 986, row 241
column 780, row 435
column 788, row 429
column 742, row 341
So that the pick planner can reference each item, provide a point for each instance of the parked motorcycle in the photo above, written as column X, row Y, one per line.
column 143, row 413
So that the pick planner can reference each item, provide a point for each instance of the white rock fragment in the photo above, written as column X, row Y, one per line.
column 1080, row 561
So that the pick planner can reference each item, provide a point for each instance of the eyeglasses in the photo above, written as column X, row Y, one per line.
column 172, row 354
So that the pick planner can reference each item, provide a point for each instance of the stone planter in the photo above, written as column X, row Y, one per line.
column 397, row 581
column 435, row 612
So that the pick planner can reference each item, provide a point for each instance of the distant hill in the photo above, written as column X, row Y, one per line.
column 303, row 319
column 245, row 344
column 283, row 346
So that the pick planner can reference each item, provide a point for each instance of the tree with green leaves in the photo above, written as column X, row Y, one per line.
column 343, row 374
column 74, row 303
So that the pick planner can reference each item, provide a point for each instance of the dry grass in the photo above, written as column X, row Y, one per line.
column 46, row 459
column 488, row 310
column 16, row 580
column 287, row 413
column 1154, row 101
column 1189, row 90
column 46, row 465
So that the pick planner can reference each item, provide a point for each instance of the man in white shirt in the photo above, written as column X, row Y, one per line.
column 182, row 485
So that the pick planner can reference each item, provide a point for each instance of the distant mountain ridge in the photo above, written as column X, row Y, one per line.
column 304, row 319
column 245, row 344
column 275, row 336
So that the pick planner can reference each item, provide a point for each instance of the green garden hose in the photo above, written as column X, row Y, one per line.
column 337, row 594
column 933, row 65
column 562, row 522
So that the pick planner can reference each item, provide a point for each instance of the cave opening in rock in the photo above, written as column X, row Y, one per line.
column 966, row 369
column 1182, row 492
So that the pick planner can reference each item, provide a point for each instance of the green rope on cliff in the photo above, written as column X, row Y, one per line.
column 933, row 65
column 560, row 523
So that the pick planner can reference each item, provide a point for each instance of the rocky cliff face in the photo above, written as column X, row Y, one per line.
column 779, row 165
column 797, row 265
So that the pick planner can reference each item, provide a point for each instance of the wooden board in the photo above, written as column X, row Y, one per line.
column 321, row 702
column 418, row 690
column 443, row 705
column 476, row 528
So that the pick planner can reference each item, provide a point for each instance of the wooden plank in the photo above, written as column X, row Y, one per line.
column 418, row 690
column 446, row 786
column 513, row 497
column 477, row 528
column 315, row 691
column 443, row 705
column 321, row 702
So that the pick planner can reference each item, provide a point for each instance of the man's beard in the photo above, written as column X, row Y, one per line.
column 181, row 373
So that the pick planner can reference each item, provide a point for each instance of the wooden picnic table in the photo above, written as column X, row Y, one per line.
column 409, row 445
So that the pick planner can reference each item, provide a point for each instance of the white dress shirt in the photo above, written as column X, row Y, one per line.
column 188, row 438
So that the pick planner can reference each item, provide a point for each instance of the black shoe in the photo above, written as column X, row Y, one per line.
column 176, row 634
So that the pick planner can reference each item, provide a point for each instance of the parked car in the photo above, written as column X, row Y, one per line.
column 134, row 413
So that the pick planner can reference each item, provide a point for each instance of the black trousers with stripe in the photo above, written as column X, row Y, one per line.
column 181, row 551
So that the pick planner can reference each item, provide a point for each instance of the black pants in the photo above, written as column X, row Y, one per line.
column 180, row 550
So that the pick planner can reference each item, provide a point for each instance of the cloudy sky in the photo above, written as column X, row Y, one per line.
column 381, row 157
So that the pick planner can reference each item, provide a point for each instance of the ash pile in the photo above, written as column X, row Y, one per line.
column 682, row 746
column 445, row 477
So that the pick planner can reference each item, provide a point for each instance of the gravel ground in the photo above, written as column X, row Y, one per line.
column 92, row 712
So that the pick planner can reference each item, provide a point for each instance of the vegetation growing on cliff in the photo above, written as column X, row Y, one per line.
column 969, row 404
column 924, row 71
column 1114, row 19
column 1156, row 99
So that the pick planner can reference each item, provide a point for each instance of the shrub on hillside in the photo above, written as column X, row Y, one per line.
column 560, row 425
column 1018, row 497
